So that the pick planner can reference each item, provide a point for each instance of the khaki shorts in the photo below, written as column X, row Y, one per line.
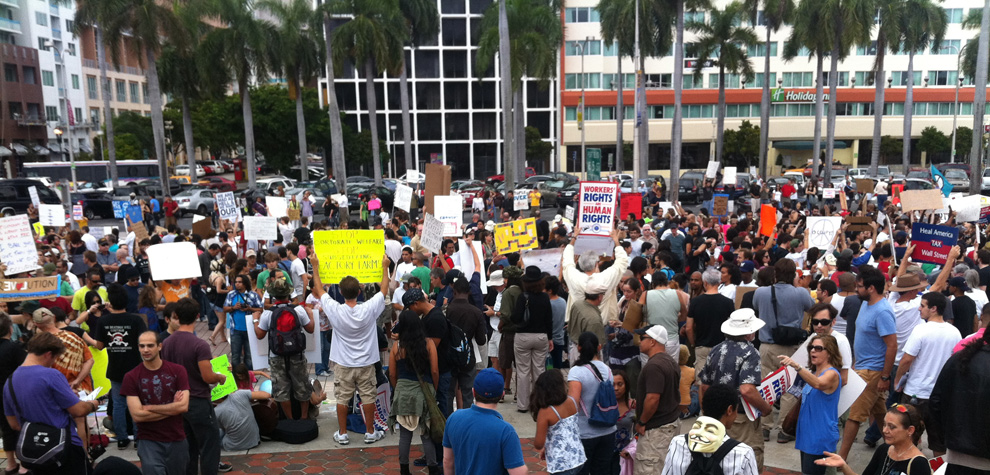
column 871, row 400
column 347, row 381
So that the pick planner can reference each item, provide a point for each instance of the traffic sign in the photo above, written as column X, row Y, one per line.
column 593, row 158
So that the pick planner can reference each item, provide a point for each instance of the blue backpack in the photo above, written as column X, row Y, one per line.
column 604, row 411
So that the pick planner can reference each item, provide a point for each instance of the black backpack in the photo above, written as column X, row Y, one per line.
column 460, row 352
column 521, row 314
column 285, row 334
column 709, row 464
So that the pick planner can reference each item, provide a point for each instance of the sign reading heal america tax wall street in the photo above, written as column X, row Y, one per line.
column 932, row 243
column 596, row 207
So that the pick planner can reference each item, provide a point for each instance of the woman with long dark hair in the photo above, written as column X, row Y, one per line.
column 627, row 417
column 555, row 414
column 412, row 359
column 534, row 334
column 582, row 384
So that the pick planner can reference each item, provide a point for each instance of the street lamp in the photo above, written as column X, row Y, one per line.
column 581, row 47
column 955, row 105
column 171, row 151
column 99, row 133
column 68, row 126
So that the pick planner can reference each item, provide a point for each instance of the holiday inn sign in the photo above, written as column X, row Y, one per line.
column 785, row 95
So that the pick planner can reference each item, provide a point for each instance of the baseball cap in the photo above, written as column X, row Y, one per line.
column 747, row 267
column 656, row 332
column 795, row 242
column 489, row 383
column 48, row 269
column 41, row 314
column 412, row 296
column 29, row 306
column 959, row 282
column 452, row 275
column 250, row 253
column 279, row 288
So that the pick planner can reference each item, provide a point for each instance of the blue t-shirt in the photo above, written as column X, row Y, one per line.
column 483, row 443
column 43, row 394
column 237, row 316
column 873, row 323
column 155, row 207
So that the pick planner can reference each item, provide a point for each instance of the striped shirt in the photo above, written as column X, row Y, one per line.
column 739, row 461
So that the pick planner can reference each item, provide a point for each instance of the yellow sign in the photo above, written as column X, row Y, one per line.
column 39, row 229
column 221, row 365
column 350, row 253
column 99, row 371
column 515, row 236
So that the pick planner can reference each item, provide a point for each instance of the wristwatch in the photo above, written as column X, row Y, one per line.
column 884, row 378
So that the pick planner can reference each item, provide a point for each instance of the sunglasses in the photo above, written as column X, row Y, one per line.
column 821, row 322
column 816, row 348
column 900, row 408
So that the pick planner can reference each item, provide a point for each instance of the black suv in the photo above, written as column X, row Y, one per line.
column 15, row 197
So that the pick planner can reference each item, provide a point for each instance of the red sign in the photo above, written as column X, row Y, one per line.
column 631, row 203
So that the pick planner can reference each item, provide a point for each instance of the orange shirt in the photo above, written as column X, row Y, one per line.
column 174, row 292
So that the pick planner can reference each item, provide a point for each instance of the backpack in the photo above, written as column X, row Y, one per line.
column 460, row 353
column 605, row 408
column 709, row 464
column 521, row 314
column 285, row 334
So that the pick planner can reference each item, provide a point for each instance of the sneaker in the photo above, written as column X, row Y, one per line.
column 225, row 467
column 508, row 391
column 374, row 437
column 766, row 435
column 123, row 444
column 783, row 437
column 870, row 443
column 420, row 462
column 341, row 439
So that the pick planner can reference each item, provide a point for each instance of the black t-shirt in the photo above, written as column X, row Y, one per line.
column 12, row 354
column 435, row 325
column 660, row 375
column 963, row 314
column 78, row 331
column 697, row 263
column 709, row 311
column 985, row 278
column 119, row 333
column 879, row 462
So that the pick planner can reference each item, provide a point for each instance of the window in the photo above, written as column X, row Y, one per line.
column 955, row 15
column 798, row 79
column 51, row 113
column 758, row 80
column 864, row 78
column 71, row 49
column 570, row 113
column 611, row 50
column 75, row 81
column 581, row 15
column 942, row 78
column 10, row 72
column 591, row 81
column 121, row 91
column 92, row 88
column 694, row 16
column 863, row 50
column 588, row 48
column 135, row 97
column 658, row 80
column 901, row 78
column 760, row 49
column 843, row 78
column 731, row 81
column 47, row 78
column 761, row 18
column 70, row 25
column 43, row 44
column 77, row 114
column 948, row 47
column 30, row 75
column 690, row 82
column 610, row 81
column 144, row 93
column 742, row 110
column 629, row 81
column 41, row 18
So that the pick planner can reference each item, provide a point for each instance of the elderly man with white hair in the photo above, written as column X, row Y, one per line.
column 578, row 280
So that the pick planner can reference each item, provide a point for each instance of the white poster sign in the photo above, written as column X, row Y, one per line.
column 51, row 215
column 548, row 260
column 665, row 206
column 259, row 348
column 403, row 196
column 967, row 208
column 829, row 193
column 520, row 199
column 33, row 191
column 450, row 211
column 17, row 248
column 174, row 260
column 277, row 206
column 227, row 205
column 712, row 170
column 596, row 208
column 432, row 236
column 260, row 228
column 823, row 230
column 569, row 213
column 603, row 245
column 412, row 176
column 729, row 176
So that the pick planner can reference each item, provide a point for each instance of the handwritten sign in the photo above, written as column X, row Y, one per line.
column 664, row 207
column 294, row 214
column 729, row 176
column 932, row 242
column 596, row 207
column 432, row 236
column 515, row 236
column 829, row 193
column 520, row 199
column 134, row 214
column 260, row 228
column 920, row 200
column 548, row 260
column 771, row 389
column 227, row 205
column 33, row 191
column 631, row 203
column 17, row 248
column 569, row 213
column 202, row 226
column 174, row 260
column 277, row 206
column 822, row 230
column 712, row 170
column 350, row 253
column 449, row 211
column 864, row 185
column 403, row 196
column 859, row 223
column 77, row 213
column 140, row 231
column 39, row 229
column 120, row 208
column 720, row 205
column 51, row 215
column 222, row 366
column 15, row 290
column 968, row 208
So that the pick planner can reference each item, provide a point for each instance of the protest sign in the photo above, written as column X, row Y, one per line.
column 520, row 199
column 968, row 208
column 768, row 220
column 134, row 214
column 603, row 245
column 741, row 292
column 403, row 196
column 449, row 210
column 729, row 176
column 932, row 242
column 712, row 170
column 864, row 185
column 15, row 290
column 39, row 229
column 631, row 203
column 548, row 260
column 352, row 253
column 437, row 184
column 859, row 223
column 227, row 205
column 515, row 236
column 432, row 236
column 17, row 248
column 277, row 206
column 33, row 191
column 412, row 176
column 203, row 226
column 849, row 391
column 222, row 366
column 569, row 213
column 664, row 207
column 822, row 230
column 920, row 200
column 261, row 228
column 120, row 208
column 99, row 371
column 174, row 260
column 77, row 213
column 828, row 193
column 596, row 207
column 720, row 205
column 293, row 214
column 51, row 215
column 259, row 347
column 140, row 232
column 771, row 389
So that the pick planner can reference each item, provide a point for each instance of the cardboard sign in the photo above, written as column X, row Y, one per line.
column 720, row 205
column 437, row 184
column 227, row 205
column 355, row 253
column 771, row 389
column 120, row 208
column 729, row 176
column 203, row 226
column 222, row 366
column 968, row 208
column 712, row 170
column 864, row 185
column 260, row 228
column 51, row 215
column 15, row 290
column 33, row 191
column 548, row 260
column 259, row 348
column 842, row 202
column 859, row 223
column 829, row 193
column 741, row 293
column 631, row 203
column 17, row 248
column 823, row 230
column 449, row 211
column 920, row 200
column 277, row 206
column 768, row 220
column 432, row 236
column 520, row 199
column 140, row 232
column 932, row 242
column 603, row 245
column 515, row 236
column 294, row 214
column 174, row 260
column 596, row 208
column 569, row 213
column 77, row 212
column 403, row 196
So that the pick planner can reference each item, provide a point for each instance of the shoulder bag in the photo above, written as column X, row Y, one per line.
column 437, row 422
column 786, row 336
column 40, row 446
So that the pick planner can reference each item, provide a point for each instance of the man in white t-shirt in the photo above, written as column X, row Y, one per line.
column 904, row 301
column 289, row 372
column 297, row 272
column 92, row 244
column 926, row 351
column 405, row 265
column 822, row 317
column 354, row 347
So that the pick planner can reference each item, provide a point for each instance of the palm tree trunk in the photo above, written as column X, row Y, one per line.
column 101, row 56
column 505, row 74
column 878, row 104
column 369, row 91
column 765, row 109
column 157, row 119
column 816, row 148
column 406, row 118
column 643, row 130
column 908, row 112
column 720, row 115
column 620, row 115
column 979, row 103
column 519, row 128
column 833, row 85
column 676, row 127
column 242, row 85
column 301, row 132
column 187, row 133
column 335, row 167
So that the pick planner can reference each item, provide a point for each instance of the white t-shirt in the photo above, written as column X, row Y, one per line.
column 91, row 243
column 265, row 321
column 393, row 249
column 728, row 290
column 907, row 317
column 296, row 271
column 841, row 340
column 314, row 302
column 73, row 280
column 840, row 323
column 355, row 339
column 979, row 297
column 402, row 269
column 931, row 345
column 798, row 258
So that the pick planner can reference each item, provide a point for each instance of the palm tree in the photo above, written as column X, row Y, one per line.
column 373, row 40
column 776, row 13
column 677, row 129
column 888, row 33
column 724, row 42
column 334, row 164
column 510, row 173
column 297, row 53
column 91, row 14
column 423, row 22
column 923, row 25
column 240, row 47
column 806, row 35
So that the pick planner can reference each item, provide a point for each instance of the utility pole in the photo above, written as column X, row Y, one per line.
column 979, row 103
column 636, row 101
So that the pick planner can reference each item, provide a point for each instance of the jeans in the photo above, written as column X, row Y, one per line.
column 873, row 433
column 465, row 381
column 163, row 458
column 599, row 452
column 240, row 351
column 119, row 411
column 203, row 436
column 324, row 364
column 445, row 402
column 557, row 355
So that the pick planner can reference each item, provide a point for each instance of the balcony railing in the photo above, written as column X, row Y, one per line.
column 56, row 32
column 32, row 120
column 53, row 9
column 92, row 63
column 11, row 3
column 10, row 25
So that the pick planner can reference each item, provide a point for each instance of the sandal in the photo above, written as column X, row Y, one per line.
column 12, row 471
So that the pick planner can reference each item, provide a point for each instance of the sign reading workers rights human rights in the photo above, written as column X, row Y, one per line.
column 932, row 243
column 597, row 201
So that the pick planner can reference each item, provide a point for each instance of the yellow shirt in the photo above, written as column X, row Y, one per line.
column 79, row 298
column 534, row 198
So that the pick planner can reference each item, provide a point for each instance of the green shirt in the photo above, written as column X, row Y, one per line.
column 509, row 298
column 263, row 277
column 423, row 274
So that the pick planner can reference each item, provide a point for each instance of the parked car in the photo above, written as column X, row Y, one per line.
column 566, row 195
column 325, row 186
column 195, row 201
column 184, row 170
column 942, row 167
column 359, row 179
column 741, row 188
column 272, row 184
column 985, row 187
column 357, row 190
column 958, row 178
column 548, row 196
column 530, row 171
column 561, row 176
column 918, row 184
column 619, row 177
column 315, row 172
column 219, row 183
column 15, row 197
column 214, row 167
column 690, row 186
column 262, row 167
column 882, row 171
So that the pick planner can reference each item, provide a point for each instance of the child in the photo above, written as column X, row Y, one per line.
column 557, row 438
column 246, row 379
column 688, row 391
